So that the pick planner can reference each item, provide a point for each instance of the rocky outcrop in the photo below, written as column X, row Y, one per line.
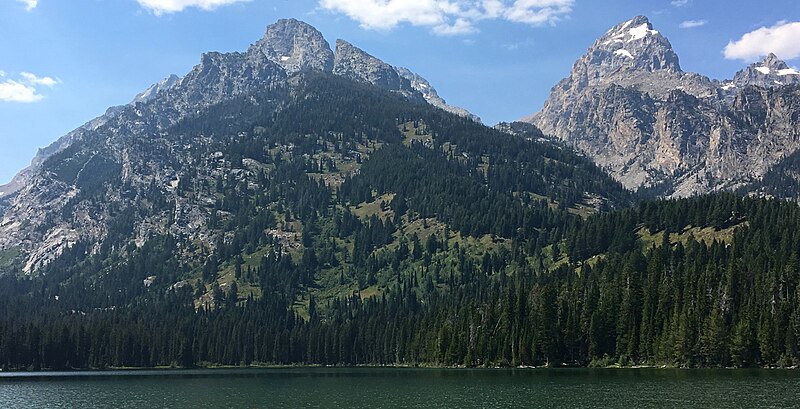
column 629, row 106
column 353, row 63
column 431, row 96
column 152, row 91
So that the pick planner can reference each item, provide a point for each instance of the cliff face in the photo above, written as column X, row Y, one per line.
column 628, row 105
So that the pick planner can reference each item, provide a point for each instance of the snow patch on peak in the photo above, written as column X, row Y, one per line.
column 621, row 26
column 763, row 70
column 640, row 32
column 788, row 71
column 729, row 86
column 624, row 53
column 285, row 58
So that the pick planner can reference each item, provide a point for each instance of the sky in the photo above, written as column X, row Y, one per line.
column 63, row 63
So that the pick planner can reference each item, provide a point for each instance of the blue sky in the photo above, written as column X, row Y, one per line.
column 64, row 62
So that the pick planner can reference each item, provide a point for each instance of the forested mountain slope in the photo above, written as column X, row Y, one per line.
column 309, row 217
column 295, row 197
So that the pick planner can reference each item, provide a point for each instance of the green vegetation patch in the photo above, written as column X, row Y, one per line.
column 706, row 235
column 9, row 257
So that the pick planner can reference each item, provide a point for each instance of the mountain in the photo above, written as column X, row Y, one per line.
column 137, row 163
column 317, row 209
column 292, row 45
column 630, row 107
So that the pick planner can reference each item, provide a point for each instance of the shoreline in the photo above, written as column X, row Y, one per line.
column 211, row 368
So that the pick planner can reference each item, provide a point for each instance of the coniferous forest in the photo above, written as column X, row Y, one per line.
column 379, row 232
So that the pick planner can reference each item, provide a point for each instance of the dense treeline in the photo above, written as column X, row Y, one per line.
column 432, row 186
column 680, row 302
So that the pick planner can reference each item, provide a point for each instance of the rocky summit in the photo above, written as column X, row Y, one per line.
column 295, row 46
column 629, row 106
column 769, row 73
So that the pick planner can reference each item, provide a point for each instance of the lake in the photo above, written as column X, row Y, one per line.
column 400, row 387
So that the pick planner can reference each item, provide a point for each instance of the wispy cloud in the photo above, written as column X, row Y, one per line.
column 693, row 23
column 25, row 89
column 448, row 17
column 528, row 42
column 159, row 7
column 29, row 4
column 460, row 26
column 33, row 80
column 781, row 39
column 680, row 3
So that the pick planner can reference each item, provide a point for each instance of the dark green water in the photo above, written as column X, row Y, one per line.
column 388, row 388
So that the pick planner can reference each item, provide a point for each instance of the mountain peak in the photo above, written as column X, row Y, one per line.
column 295, row 46
column 772, row 61
column 769, row 72
column 637, row 21
column 633, row 44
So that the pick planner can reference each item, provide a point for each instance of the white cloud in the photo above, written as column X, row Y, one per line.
column 693, row 23
column 783, row 39
column 159, row 7
column 680, row 3
column 33, row 80
column 538, row 12
column 13, row 91
column 29, row 4
column 25, row 89
column 448, row 17
column 461, row 26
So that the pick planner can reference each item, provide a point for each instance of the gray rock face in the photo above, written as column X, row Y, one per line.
column 628, row 105
column 48, row 214
column 127, row 138
column 152, row 91
column 356, row 64
column 295, row 46
column 429, row 93
column 24, row 176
